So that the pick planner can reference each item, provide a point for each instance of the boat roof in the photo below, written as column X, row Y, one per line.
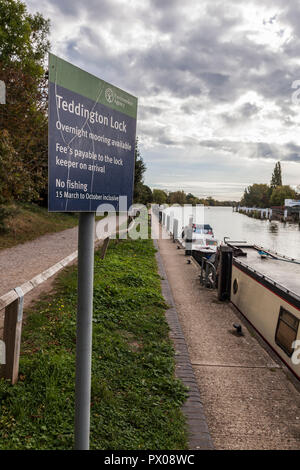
column 281, row 269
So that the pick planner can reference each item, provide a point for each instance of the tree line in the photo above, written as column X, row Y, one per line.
column 23, row 119
column 160, row 196
column 264, row 195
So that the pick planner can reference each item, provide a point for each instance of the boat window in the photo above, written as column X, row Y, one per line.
column 286, row 331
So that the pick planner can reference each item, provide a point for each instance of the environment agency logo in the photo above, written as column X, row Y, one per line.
column 109, row 95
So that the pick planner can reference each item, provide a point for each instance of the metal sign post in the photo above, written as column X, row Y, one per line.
column 86, row 232
column 92, row 126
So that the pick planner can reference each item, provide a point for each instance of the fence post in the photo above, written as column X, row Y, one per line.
column 12, row 337
column 104, row 247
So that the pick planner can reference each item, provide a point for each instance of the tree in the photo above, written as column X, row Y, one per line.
column 280, row 193
column 256, row 195
column 140, row 166
column 159, row 196
column 7, row 178
column 210, row 201
column 143, row 194
column 276, row 179
column 139, row 170
column 191, row 199
column 12, row 182
column 23, row 44
column 177, row 197
column 23, row 37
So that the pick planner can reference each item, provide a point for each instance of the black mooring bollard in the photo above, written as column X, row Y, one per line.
column 225, row 269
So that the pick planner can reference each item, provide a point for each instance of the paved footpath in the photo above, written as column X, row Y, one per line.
column 249, row 401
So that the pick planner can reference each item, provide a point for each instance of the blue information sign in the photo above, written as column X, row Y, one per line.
column 92, row 128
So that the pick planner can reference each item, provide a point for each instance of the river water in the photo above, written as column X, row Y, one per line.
column 277, row 236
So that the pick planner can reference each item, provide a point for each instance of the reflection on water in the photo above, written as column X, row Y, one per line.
column 273, row 227
column 280, row 237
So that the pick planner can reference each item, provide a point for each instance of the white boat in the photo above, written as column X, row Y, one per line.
column 196, row 238
column 199, row 238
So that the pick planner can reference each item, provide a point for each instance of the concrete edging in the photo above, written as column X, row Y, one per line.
column 199, row 435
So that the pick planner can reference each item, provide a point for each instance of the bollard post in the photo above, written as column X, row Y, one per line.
column 225, row 270
column 188, row 241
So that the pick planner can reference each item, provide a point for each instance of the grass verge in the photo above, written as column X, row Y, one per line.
column 136, row 399
column 29, row 221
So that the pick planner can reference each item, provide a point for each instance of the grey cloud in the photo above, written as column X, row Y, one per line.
column 165, row 5
column 197, row 56
column 256, row 150
column 249, row 109
column 99, row 10
column 149, row 111
column 292, row 157
column 293, row 152
column 194, row 59
column 215, row 79
column 243, row 113
column 67, row 7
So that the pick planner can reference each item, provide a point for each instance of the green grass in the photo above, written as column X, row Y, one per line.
column 136, row 400
column 29, row 221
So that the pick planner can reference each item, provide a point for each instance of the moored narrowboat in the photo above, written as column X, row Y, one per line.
column 265, row 288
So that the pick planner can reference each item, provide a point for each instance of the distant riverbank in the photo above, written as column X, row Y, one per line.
column 275, row 235
column 273, row 213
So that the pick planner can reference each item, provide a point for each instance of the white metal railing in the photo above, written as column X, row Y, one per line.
column 12, row 303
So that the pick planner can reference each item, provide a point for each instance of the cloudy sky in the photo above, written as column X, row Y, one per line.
column 214, row 81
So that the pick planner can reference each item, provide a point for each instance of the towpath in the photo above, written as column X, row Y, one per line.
column 249, row 401
column 22, row 262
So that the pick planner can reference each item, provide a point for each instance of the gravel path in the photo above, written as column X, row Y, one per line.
column 248, row 400
column 22, row 262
